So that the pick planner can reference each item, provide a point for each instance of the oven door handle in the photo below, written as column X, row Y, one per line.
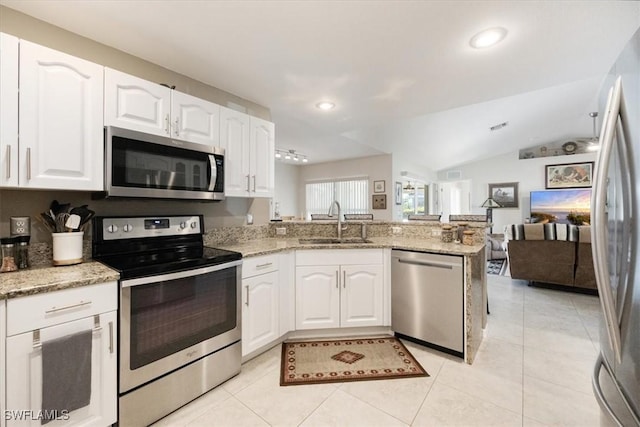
column 179, row 274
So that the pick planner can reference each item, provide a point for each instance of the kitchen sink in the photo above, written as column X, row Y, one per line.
column 333, row 241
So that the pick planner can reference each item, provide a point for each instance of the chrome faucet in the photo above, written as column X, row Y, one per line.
column 335, row 203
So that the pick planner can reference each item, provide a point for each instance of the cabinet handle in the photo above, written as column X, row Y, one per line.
column 337, row 280
column 266, row 264
column 254, row 183
column 67, row 307
column 247, row 302
column 28, row 162
column 344, row 279
column 8, row 161
column 177, row 131
column 111, row 337
column 167, row 125
column 248, row 183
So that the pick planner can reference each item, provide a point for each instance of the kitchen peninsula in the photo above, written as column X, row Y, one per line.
column 262, row 240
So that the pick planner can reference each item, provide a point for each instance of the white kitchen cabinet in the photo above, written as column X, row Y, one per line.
column 8, row 110
column 144, row 106
column 136, row 104
column 287, row 280
column 60, row 120
column 317, row 297
column 344, row 288
column 249, row 154
column 262, row 157
column 260, row 302
column 361, row 297
column 50, row 317
column 194, row 119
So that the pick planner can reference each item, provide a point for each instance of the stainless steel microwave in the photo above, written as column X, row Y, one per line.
column 151, row 166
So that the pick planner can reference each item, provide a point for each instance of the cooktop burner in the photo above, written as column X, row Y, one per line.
column 144, row 246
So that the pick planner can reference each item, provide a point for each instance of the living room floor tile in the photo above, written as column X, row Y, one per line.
column 568, row 369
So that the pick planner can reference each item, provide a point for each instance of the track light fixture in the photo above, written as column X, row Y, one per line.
column 293, row 155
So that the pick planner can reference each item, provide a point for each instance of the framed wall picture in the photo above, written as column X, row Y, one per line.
column 569, row 175
column 379, row 201
column 505, row 193
column 378, row 186
column 398, row 193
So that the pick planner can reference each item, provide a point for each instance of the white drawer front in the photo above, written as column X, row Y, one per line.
column 51, row 308
column 339, row 257
column 259, row 265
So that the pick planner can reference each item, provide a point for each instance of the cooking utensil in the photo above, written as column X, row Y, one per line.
column 73, row 222
column 61, row 220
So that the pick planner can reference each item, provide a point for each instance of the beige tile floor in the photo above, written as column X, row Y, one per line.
column 533, row 369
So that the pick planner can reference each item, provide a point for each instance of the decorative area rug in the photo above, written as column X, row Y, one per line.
column 496, row 266
column 317, row 362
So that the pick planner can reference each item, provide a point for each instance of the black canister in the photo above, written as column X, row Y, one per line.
column 22, row 251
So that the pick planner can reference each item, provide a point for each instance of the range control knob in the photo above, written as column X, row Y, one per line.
column 127, row 228
column 112, row 228
column 183, row 225
column 194, row 224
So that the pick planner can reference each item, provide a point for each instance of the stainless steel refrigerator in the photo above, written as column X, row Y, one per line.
column 615, row 239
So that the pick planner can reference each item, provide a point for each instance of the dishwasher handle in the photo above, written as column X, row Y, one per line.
column 425, row 263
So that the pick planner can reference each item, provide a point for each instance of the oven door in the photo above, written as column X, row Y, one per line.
column 170, row 320
column 143, row 165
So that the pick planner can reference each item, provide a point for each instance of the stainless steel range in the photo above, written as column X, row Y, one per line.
column 179, row 331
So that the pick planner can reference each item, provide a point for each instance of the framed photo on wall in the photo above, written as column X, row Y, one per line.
column 379, row 201
column 398, row 193
column 505, row 193
column 569, row 175
column 378, row 186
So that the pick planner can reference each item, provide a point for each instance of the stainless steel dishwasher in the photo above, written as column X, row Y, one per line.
column 427, row 299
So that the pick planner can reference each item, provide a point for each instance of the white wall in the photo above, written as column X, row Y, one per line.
column 375, row 167
column 528, row 173
column 287, row 189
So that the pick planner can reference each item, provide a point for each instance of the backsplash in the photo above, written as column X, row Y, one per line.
column 40, row 253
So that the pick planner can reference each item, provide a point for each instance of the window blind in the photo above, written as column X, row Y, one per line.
column 353, row 196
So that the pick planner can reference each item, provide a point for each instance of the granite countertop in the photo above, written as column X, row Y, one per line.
column 46, row 279
column 273, row 245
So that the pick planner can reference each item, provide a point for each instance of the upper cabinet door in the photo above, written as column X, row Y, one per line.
column 136, row 104
column 235, row 139
column 8, row 111
column 194, row 119
column 61, row 120
column 262, row 158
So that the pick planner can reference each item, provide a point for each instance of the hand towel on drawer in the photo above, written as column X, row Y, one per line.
column 66, row 373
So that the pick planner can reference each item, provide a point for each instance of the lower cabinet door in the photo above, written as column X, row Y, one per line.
column 260, row 311
column 25, row 376
column 361, row 302
column 317, row 297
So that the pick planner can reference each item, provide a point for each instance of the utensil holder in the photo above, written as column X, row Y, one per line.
column 67, row 248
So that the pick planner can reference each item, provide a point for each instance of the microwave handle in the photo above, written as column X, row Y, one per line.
column 214, row 172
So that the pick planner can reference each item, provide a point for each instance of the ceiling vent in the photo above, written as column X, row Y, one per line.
column 454, row 175
column 498, row 126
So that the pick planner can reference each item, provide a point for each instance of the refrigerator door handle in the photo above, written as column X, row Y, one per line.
column 597, row 390
column 599, row 231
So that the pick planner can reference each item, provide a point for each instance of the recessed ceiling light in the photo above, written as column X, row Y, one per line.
column 325, row 105
column 488, row 37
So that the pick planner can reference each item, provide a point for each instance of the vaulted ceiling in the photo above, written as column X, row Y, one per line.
column 401, row 73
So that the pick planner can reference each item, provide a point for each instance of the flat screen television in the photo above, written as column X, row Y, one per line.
column 561, row 206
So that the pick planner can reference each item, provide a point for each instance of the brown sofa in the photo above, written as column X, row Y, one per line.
column 559, row 254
